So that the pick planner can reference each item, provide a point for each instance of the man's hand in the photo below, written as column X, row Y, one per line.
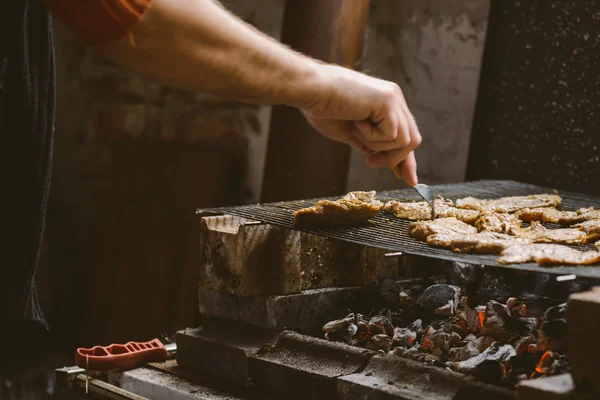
column 368, row 114
column 197, row 45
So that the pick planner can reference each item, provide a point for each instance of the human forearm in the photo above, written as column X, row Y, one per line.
column 197, row 45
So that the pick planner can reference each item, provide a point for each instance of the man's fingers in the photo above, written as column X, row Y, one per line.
column 409, row 169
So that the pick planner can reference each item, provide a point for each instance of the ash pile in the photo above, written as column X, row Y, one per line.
column 496, row 340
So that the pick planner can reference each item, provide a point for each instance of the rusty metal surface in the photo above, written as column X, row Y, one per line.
column 300, row 162
column 387, row 232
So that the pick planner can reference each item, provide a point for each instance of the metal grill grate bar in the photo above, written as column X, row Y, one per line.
column 387, row 232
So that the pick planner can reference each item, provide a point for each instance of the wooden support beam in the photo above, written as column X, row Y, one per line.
column 300, row 163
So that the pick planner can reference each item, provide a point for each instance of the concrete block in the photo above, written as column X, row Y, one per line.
column 387, row 376
column 249, row 259
column 559, row 387
column 222, row 348
column 584, row 350
column 159, row 385
column 303, row 367
column 307, row 311
column 329, row 262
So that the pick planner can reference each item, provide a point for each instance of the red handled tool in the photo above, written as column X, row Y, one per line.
column 123, row 356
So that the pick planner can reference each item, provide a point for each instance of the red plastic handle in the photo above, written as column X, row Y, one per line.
column 120, row 356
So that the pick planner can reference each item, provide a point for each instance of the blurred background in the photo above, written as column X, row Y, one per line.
column 135, row 159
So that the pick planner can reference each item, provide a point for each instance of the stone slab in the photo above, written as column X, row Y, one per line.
column 303, row 367
column 559, row 387
column 306, row 311
column 387, row 377
column 584, row 349
column 222, row 348
column 158, row 385
column 247, row 258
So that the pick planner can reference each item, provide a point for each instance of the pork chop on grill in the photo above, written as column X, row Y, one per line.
column 422, row 229
column 509, row 204
column 591, row 227
column 418, row 211
column 583, row 214
column 482, row 242
column 543, row 214
column 353, row 209
column 537, row 233
column 548, row 254
column 499, row 222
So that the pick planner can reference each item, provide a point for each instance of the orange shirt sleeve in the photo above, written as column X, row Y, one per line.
column 98, row 21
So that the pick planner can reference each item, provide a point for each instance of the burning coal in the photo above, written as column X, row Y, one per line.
column 495, row 342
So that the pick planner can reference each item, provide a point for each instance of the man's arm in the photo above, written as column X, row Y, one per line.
column 197, row 45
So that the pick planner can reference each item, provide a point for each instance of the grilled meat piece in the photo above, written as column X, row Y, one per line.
column 482, row 242
column 418, row 211
column 583, row 214
column 591, row 227
column 353, row 209
column 543, row 214
column 422, row 229
column 537, row 233
column 548, row 254
column 501, row 223
column 509, row 204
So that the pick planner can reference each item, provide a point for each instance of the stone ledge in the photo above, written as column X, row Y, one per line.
column 303, row 367
column 222, row 348
column 306, row 311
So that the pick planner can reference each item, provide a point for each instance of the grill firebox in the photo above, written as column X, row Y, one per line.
column 248, row 337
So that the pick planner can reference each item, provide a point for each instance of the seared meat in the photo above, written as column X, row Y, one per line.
column 543, row 214
column 591, row 227
column 509, row 204
column 353, row 209
column 418, row 211
column 548, row 254
column 422, row 229
column 537, row 233
column 583, row 214
column 501, row 223
column 482, row 242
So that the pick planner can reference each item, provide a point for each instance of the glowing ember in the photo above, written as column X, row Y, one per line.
column 541, row 368
column 481, row 318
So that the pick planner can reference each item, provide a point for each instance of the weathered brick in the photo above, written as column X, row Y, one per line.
column 584, row 349
column 249, row 260
column 257, row 260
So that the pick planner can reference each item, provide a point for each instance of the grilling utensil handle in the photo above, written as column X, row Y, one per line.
column 423, row 190
column 121, row 356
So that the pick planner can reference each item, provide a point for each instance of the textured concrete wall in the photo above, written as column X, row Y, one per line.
column 432, row 49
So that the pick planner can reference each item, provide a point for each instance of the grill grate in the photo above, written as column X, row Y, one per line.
column 387, row 232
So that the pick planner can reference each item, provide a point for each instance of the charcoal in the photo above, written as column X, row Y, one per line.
column 416, row 326
column 496, row 317
column 440, row 343
column 473, row 317
column 460, row 274
column 345, row 335
column 338, row 324
column 490, row 371
column 523, row 364
column 380, row 324
column 529, row 324
column 471, row 349
column 551, row 363
column 380, row 342
column 522, row 345
column 556, row 329
column 440, row 299
column 404, row 337
column 516, row 307
column 496, row 351
column 390, row 289
column 556, row 312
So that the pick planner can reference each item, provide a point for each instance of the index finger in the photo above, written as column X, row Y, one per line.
column 408, row 169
